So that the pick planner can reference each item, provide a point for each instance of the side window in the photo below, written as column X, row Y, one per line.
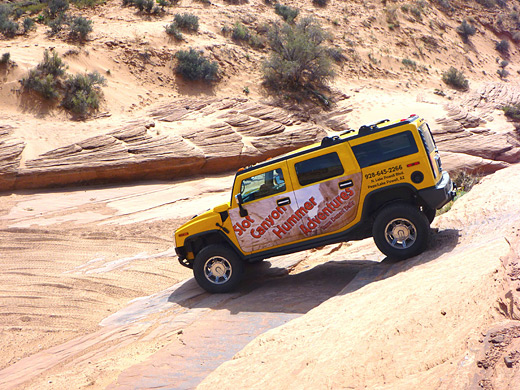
column 262, row 185
column 318, row 168
column 385, row 149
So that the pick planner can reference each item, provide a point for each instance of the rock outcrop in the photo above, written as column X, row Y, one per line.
column 176, row 140
column 466, row 134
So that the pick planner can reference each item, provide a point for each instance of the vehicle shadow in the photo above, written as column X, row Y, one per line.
column 270, row 289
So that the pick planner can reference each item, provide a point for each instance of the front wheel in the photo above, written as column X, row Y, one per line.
column 401, row 231
column 217, row 269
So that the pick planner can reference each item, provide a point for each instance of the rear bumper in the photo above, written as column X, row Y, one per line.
column 442, row 193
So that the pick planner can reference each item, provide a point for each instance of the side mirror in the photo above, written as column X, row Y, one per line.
column 243, row 212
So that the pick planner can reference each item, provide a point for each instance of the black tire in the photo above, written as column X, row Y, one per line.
column 401, row 231
column 217, row 269
column 429, row 213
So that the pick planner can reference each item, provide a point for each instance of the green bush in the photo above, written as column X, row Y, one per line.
column 298, row 58
column 80, row 27
column 6, row 57
column 173, row 30
column 28, row 24
column 465, row 30
column 502, row 46
column 240, row 32
column 503, row 73
column 320, row 3
column 45, row 79
column 82, row 92
column 7, row 26
column 409, row 63
column 455, row 78
column 188, row 22
column 56, row 24
column 192, row 65
column 57, row 7
column 512, row 112
column 287, row 13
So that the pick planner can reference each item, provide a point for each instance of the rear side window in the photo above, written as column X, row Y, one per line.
column 318, row 168
column 427, row 138
column 385, row 149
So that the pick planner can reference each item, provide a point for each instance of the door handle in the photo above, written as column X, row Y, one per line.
column 283, row 201
column 345, row 184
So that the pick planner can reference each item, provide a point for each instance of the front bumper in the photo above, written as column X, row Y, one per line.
column 444, row 191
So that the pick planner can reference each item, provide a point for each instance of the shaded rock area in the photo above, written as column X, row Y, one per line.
column 466, row 134
column 192, row 136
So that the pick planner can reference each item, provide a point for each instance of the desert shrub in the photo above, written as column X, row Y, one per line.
column 6, row 57
column 87, row 3
column 512, row 112
column 192, row 65
column 7, row 26
column 502, row 46
column 80, row 27
column 409, row 63
column 56, row 25
column 298, row 58
column 46, row 77
column 503, row 63
column 187, row 21
column 83, row 92
column 240, row 32
column 28, row 24
column 455, row 78
column 465, row 30
column 57, row 7
column 503, row 73
column 287, row 13
column 320, row 3
column 392, row 18
column 516, row 36
column 173, row 30
column 336, row 54
column 487, row 3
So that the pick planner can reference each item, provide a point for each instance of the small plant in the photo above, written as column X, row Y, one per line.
column 240, row 32
column 409, row 63
column 8, row 27
column 57, row 7
column 503, row 73
column 502, row 46
column 465, row 30
column 455, row 78
column 320, row 3
column 487, row 3
column 392, row 18
column 56, row 25
column 82, row 92
column 192, row 65
column 188, row 22
column 46, row 77
column 28, row 24
column 246, row 90
column 80, row 27
column 287, row 13
column 4, row 60
column 173, row 30
column 298, row 60
column 512, row 112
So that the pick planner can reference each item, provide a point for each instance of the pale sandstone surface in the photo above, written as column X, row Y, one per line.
column 412, row 326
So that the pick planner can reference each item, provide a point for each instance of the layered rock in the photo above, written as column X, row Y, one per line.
column 188, row 137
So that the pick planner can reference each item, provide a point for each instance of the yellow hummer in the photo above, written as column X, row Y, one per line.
column 384, row 180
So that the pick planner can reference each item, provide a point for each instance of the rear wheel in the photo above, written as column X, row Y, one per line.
column 217, row 269
column 401, row 231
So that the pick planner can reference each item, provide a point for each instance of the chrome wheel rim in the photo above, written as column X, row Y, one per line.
column 400, row 233
column 217, row 270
